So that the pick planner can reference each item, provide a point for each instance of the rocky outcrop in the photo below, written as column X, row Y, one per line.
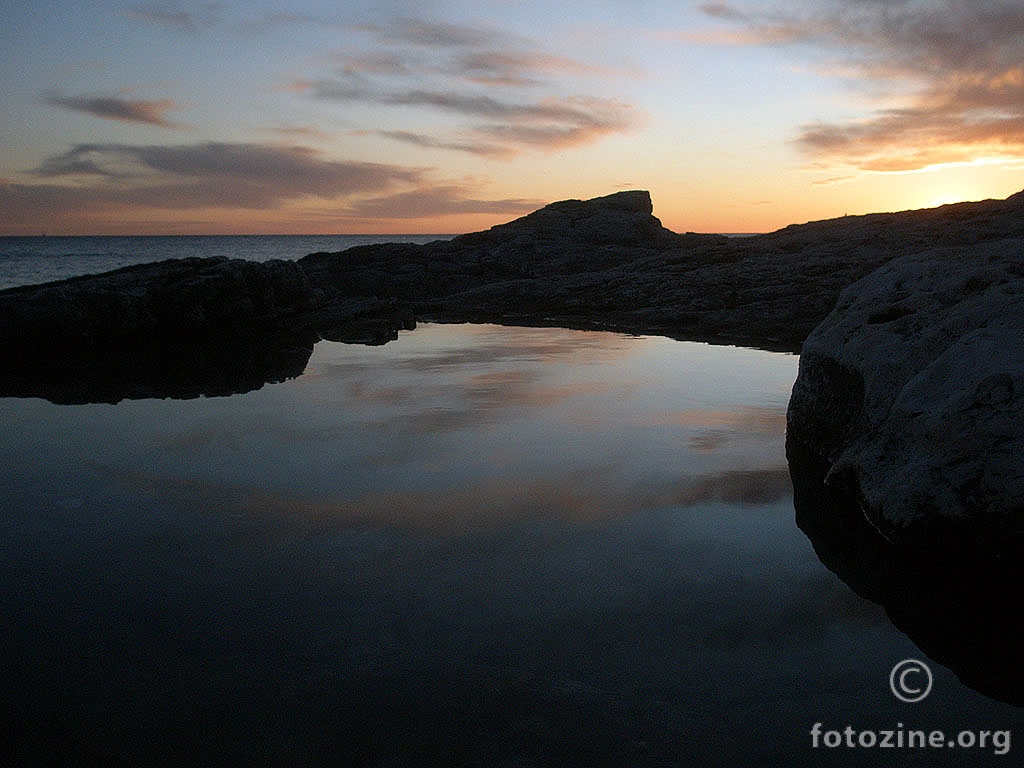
column 152, row 303
column 609, row 263
column 594, row 263
column 603, row 263
column 912, row 389
column 179, row 328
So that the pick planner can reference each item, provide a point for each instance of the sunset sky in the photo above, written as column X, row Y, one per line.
column 444, row 117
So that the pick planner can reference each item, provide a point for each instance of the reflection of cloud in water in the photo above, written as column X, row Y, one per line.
column 466, row 426
column 747, row 418
column 379, row 394
column 477, row 346
column 451, row 389
column 478, row 401
column 738, row 487
column 714, row 428
column 593, row 495
column 710, row 440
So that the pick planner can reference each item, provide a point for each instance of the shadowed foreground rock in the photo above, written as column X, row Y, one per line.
column 958, row 609
column 179, row 328
column 913, row 390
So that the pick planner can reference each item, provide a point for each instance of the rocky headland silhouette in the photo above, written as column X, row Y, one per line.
column 605, row 263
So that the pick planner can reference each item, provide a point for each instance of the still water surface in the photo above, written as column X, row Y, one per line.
column 474, row 546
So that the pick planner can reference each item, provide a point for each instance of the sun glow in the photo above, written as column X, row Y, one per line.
column 947, row 198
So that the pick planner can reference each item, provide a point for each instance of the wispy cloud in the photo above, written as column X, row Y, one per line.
column 515, row 68
column 104, row 181
column 954, row 66
column 403, row 30
column 467, row 144
column 431, row 201
column 118, row 108
column 214, row 174
column 550, row 123
column 182, row 16
column 499, row 94
column 749, row 28
column 304, row 131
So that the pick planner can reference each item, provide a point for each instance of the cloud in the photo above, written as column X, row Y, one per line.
column 305, row 131
column 498, row 93
column 104, row 182
column 116, row 108
column 559, row 123
column 430, row 34
column 753, row 29
column 954, row 67
column 482, row 148
column 254, row 176
column 179, row 16
column 427, row 202
column 550, row 123
column 833, row 180
column 515, row 68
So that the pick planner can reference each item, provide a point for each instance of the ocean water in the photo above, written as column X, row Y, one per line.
column 31, row 260
column 474, row 546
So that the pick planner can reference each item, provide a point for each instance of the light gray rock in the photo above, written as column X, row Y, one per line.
column 913, row 389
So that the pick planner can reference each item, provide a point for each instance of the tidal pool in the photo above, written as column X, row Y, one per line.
column 477, row 545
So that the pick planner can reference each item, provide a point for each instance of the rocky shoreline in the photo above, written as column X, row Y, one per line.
column 910, row 327
column 602, row 263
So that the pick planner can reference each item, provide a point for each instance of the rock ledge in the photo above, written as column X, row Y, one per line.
column 913, row 390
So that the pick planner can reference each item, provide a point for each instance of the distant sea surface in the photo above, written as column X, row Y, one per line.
column 33, row 260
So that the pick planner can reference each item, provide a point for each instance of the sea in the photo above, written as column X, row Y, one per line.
column 475, row 545
column 41, row 259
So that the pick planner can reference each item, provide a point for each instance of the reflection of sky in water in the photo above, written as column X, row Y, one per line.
column 538, row 541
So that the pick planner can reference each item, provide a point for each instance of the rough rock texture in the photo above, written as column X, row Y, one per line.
column 596, row 263
column 913, row 390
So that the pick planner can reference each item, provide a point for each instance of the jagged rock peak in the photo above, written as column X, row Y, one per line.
column 622, row 218
column 633, row 200
column 636, row 201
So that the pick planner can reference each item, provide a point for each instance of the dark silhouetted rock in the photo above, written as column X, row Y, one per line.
column 175, row 299
column 178, row 328
column 605, row 263
column 609, row 263
column 213, row 366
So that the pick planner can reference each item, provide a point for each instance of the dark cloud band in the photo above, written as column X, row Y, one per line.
column 116, row 108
